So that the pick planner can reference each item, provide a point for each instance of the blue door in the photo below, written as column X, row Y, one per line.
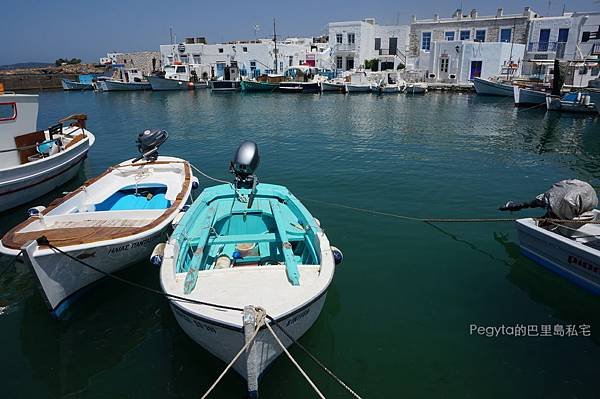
column 544, row 39
column 475, row 69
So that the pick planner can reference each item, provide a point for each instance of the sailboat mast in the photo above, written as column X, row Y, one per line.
column 275, row 41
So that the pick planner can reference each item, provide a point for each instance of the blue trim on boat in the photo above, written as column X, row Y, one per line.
column 560, row 270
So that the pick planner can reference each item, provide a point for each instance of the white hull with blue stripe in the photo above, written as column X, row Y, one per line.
column 577, row 258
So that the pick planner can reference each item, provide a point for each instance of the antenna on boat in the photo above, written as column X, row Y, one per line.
column 244, row 164
column 275, row 51
column 148, row 142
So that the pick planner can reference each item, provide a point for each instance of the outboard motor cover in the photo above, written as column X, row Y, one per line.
column 246, row 159
column 148, row 142
column 568, row 199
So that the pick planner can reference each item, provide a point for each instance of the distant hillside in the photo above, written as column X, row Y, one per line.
column 26, row 65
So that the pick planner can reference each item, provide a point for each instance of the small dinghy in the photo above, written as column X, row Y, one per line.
column 110, row 222
column 567, row 239
column 247, row 245
column 571, row 102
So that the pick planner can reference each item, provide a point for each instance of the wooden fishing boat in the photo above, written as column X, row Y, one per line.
column 524, row 96
column 570, row 245
column 84, row 83
column 110, row 222
column 493, row 88
column 333, row 86
column 252, row 85
column 416, row 88
column 247, row 244
column 34, row 162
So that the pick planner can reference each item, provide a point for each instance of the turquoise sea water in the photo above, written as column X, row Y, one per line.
column 397, row 317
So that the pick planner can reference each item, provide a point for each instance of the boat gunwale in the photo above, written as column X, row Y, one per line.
column 11, row 240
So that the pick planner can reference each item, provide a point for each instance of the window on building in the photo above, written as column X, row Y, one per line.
column 480, row 35
column 449, row 36
column 290, row 60
column 563, row 35
column 8, row 111
column 338, row 38
column 245, row 49
column 377, row 43
column 506, row 35
column 339, row 63
column 426, row 41
column 220, row 50
column 444, row 62
column 196, row 58
column 349, row 63
column 252, row 64
column 351, row 38
column 465, row 34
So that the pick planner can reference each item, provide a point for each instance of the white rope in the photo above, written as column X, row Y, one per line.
column 260, row 321
column 312, row 384
column 209, row 177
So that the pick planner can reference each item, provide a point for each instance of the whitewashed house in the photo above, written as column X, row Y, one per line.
column 252, row 57
column 465, row 46
column 354, row 42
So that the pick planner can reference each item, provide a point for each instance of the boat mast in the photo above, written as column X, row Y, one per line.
column 512, row 44
column 275, row 41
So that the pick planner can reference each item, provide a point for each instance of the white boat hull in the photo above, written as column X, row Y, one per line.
column 225, row 341
column 62, row 280
column 113, row 85
column 524, row 96
column 160, row 83
column 487, row 87
column 73, row 85
column 573, row 260
column 416, row 89
column 29, row 181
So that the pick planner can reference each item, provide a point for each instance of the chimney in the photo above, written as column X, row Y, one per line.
column 413, row 19
column 499, row 12
column 436, row 17
column 527, row 11
column 473, row 13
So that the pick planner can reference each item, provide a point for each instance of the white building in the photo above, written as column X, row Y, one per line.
column 354, row 42
column 252, row 57
column 464, row 46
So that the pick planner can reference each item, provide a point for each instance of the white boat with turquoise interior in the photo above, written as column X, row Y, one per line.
column 247, row 244
column 110, row 222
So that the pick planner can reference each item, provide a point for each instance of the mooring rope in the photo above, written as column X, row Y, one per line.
column 259, row 323
column 44, row 241
column 294, row 362
column 14, row 260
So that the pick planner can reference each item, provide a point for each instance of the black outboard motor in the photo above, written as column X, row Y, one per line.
column 148, row 142
column 243, row 166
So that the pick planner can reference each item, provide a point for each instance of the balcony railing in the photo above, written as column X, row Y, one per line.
column 345, row 47
column 393, row 52
column 542, row 47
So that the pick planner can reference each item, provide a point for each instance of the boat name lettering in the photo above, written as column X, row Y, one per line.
column 196, row 322
column 583, row 264
column 297, row 317
column 127, row 247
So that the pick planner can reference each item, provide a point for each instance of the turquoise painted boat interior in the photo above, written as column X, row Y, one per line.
column 136, row 198
column 277, row 229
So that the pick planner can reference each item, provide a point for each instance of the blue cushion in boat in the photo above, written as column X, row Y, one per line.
column 570, row 97
column 125, row 202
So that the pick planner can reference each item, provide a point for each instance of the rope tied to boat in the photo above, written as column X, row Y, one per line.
column 260, row 321
column 43, row 240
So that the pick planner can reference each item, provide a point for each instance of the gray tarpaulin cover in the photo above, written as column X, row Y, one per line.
column 568, row 199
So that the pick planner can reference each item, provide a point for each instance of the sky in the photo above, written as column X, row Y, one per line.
column 44, row 30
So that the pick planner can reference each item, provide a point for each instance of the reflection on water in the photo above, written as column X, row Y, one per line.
column 406, row 293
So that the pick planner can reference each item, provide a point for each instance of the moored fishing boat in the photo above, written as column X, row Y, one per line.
column 34, row 162
column 110, row 222
column 84, row 83
column 125, row 80
column 300, row 79
column 416, row 88
column 567, row 239
column 526, row 96
column 359, row 83
column 333, row 86
column 571, row 102
column 230, row 81
column 253, row 85
column 247, row 244
column 493, row 88
column 179, row 77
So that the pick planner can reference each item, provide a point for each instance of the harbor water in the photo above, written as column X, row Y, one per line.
column 399, row 316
